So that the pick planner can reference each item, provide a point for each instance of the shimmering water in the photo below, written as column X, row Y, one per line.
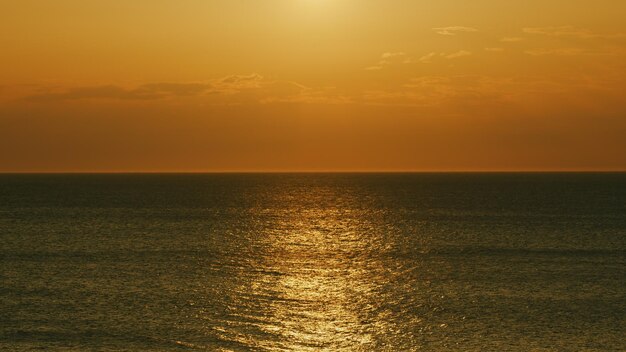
column 362, row 262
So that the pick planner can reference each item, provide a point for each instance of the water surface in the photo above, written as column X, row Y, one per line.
column 313, row 262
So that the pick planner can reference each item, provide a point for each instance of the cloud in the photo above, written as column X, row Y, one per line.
column 172, row 89
column 390, row 58
column 436, row 92
column 431, row 57
column 557, row 31
column 229, row 90
column 241, row 81
column 453, row 30
column 511, row 39
column 558, row 52
column 459, row 91
column 234, row 84
column 292, row 92
column 459, row 53
column 494, row 49
column 570, row 31
column 227, row 85
column 143, row 92
column 392, row 55
column 426, row 59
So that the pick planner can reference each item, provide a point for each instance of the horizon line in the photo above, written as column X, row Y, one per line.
column 233, row 172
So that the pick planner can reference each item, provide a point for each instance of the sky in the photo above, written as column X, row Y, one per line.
column 312, row 85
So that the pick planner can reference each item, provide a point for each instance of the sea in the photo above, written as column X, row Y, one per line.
column 313, row 262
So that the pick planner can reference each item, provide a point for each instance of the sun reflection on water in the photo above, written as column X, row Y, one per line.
column 314, row 284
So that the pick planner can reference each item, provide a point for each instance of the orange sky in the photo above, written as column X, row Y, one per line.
column 312, row 85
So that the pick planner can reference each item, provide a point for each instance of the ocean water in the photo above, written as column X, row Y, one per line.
column 313, row 262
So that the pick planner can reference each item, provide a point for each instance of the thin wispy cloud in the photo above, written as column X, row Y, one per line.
column 557, row 52
column 454, row 30
column 511, row 39
column 391, row 55
column 460, row 53
column 390, row 58
column 470, row 90
column 571, row 32
column 426, row 59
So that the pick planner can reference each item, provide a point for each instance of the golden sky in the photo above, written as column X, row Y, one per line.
column 312, row 85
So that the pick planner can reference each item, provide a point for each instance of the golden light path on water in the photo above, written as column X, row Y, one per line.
column 316, row 285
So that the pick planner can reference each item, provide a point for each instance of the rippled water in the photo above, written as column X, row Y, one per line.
column 361, row 262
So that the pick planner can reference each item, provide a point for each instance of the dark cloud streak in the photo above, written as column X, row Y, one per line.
column 144, row 92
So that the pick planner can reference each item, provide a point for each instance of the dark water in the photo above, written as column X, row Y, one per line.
column 434, row 262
